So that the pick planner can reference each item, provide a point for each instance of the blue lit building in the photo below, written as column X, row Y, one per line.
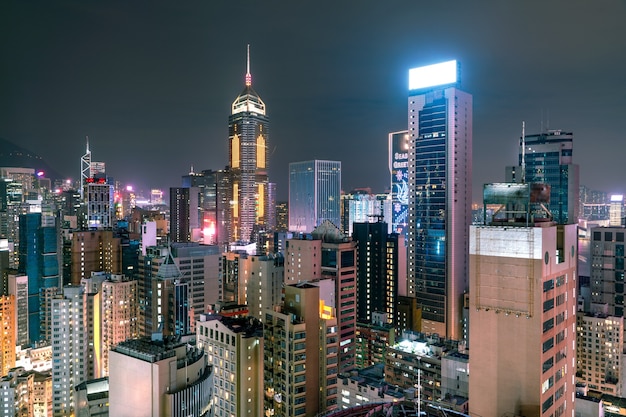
column 39, row 260
column 440, row 186
column 314, row 194
column 548, row 160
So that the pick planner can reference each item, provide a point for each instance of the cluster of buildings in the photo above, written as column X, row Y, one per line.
column 230, row 303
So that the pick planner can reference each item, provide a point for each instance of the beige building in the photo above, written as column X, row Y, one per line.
column 159, row 378
column 522, row 318
column 234, row 347
column 119, row 314
column 300, row 355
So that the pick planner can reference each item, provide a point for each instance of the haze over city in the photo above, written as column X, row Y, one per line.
column 151, row 84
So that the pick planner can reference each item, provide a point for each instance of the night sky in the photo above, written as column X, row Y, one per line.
column 151, row 83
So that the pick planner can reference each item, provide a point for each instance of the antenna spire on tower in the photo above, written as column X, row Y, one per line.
column 87, row 139
column 248, row 75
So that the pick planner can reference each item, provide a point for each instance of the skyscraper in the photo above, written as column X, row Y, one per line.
column 440, row 187
column 248, row 134
column 547, row 158
column 314, row 194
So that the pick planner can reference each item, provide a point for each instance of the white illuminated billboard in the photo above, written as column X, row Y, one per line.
column 433, row 75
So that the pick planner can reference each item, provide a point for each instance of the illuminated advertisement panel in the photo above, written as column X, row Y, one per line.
column 433, row 75
column 399, row 168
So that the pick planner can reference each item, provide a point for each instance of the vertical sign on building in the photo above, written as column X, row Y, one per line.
column 399, row 169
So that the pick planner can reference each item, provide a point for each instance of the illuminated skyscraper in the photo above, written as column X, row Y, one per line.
column 440, row 192
column 547, row 159
column 248, row 133
column 314, row 194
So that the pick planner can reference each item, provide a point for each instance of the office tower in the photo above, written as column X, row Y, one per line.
column 119, row 314
column 599, row 352
column 547, row 158
column 594, row 204
column 234, row 347
column 381, row 270
column 7, row 333
column 94, row 251
column 616, row 210
column 330, row 256
column 39, row 260
column 440, row 195
column 68, row 355
column 300, row 355
column 199, row 269
column 521, row 305
column 271, row 207
column 399, row 172
column 314, row 194
column 100, row 206
column 183, row 212
column 248, row 135
column 168, row 378
column 282, row 216
column 361, row 206
column 206, row 182
column 163, row 297
column 85, row 169
column 18, row 288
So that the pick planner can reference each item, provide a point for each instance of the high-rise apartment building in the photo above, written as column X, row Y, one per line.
column 69, row 349
column 381, row 270
column 440, row 192
column 100, row 207
column 7, row 333
column 234, row 347
column 330, row 256
column 94, row 251
column 547, row 158
column 522, row 303
column 119, row 314
column 314, row 194
column 300, row 355
column 248, row 132
column 607, row 268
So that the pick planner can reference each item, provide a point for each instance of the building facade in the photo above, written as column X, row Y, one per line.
column 440, row 191
column 314, row 194
column 522, row 303
column 248, row 139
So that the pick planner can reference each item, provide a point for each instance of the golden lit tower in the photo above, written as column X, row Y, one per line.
column 248, row 160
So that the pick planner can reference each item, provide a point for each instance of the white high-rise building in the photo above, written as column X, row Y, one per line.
column 68, row 349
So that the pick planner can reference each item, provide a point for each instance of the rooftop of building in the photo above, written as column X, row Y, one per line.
column 159, row 348
column 249, row 326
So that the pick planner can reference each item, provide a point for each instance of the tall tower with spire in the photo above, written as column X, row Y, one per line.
column 85, row 168
column 248, row 134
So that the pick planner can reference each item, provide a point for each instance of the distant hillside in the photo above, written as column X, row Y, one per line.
column 12, row 155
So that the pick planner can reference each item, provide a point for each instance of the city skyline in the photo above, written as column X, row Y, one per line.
column 151, row 85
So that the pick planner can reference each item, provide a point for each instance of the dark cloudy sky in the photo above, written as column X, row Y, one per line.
column 151, row 83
